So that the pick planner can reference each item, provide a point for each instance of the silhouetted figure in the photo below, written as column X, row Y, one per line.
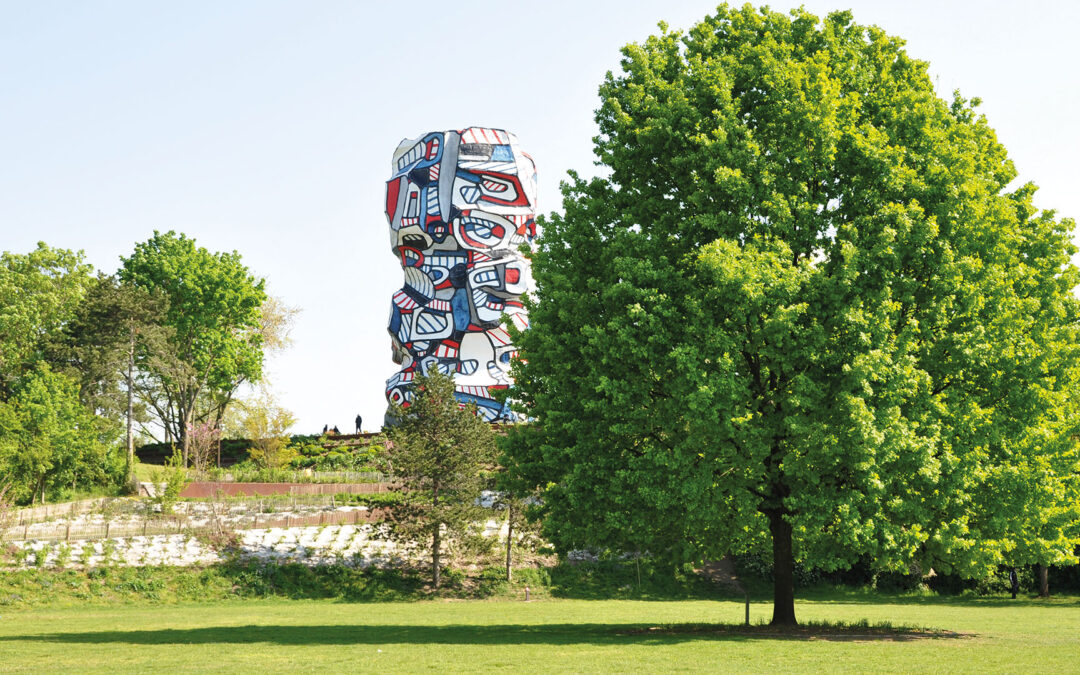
column 359, row 422
column 325, row 428
column 336, row 432
column 1014, row 583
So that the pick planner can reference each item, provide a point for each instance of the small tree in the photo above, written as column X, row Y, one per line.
column 437, row 451
column 203, row 439
column 517, row 524
column 267, row 424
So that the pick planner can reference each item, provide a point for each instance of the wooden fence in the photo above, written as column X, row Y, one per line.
column 37, row 514
column 183, row 525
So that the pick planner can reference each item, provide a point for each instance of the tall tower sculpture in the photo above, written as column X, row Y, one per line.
column 460, row 203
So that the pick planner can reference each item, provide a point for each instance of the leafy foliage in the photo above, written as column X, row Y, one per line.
column 49, row 441
column 39, row 292
column 214, row 313
column 803, row 309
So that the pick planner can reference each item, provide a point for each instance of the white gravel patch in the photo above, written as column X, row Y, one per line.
column 361, row 545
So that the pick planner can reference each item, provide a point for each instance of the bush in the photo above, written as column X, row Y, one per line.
column 1064, row 579
column 760, row 568
column 169, row 483
column 995, row 584
column 897, row 582
column 620, row 578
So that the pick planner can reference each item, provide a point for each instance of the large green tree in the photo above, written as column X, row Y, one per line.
column 214, row 311
column 438, row 451
column 803, row 309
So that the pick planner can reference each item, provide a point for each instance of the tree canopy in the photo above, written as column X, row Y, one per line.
column 806, row 308
column 39, row 292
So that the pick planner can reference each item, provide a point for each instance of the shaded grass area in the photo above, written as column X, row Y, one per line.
column 547, row 636
column 111, row 585
column 50, row 587
column 813, row 630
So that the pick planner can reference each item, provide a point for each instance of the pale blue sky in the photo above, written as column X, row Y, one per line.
column 268, row 126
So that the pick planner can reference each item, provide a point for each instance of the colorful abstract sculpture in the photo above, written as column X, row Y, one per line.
column 460, row 203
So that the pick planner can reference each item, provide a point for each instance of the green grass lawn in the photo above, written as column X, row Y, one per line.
column 998, row 635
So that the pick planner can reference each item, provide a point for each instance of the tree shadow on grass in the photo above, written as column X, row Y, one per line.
column 841, row 596
column 502, row 634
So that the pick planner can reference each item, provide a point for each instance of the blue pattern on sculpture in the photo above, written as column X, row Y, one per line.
column 459, row 204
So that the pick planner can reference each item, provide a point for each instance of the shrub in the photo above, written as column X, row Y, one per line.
column 760, row 567
column 63, row 555
column 169, row 483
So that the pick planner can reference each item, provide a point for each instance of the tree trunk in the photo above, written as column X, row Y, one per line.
column 185, row 438
column 435, row 541
column 509, row 541
column 130, row 411
column 435, row 555
column 783, row 572
column 1043, row 575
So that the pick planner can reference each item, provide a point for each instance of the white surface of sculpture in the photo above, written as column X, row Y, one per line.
column 459, row 205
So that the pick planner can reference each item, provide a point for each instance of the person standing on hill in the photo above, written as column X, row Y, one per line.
column 359, row 423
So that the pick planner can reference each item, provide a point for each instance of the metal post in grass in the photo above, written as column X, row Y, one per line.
column 107, row 525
